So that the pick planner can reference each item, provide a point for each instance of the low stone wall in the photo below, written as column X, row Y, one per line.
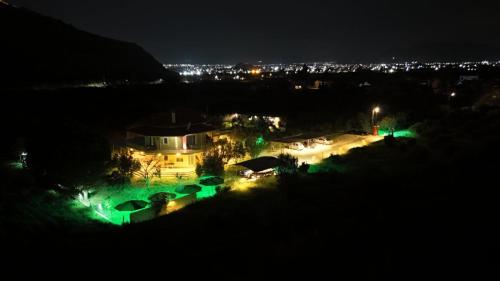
column 143, row 215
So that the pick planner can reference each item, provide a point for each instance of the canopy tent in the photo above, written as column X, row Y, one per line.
column 132, row 205
column 260, row 164
column 188, row 189
column 212, row 181
column 162, row 196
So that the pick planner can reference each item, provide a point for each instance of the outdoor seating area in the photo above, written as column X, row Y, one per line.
column 129, row 204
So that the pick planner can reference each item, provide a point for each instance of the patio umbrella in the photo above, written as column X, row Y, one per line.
column 212, row 181
column 132, row 205
column 188, row 189
column 162, row 196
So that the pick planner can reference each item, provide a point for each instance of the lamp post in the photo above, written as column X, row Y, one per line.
column 451, row 97
column 375, row 111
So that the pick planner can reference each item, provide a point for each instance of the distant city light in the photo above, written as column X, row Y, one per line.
column 220, row 72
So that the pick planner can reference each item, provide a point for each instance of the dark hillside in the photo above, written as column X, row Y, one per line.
column 38, row 50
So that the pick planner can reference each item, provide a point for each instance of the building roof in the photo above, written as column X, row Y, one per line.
column 260, row 164
column 156, row 131
column 178, row 122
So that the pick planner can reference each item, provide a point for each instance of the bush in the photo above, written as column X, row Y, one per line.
column 199, row 170
column 388, row 123
column 390, row 140
column 124, row 166
column 288, row 165
column 213, row 165
column 256, row 146
column 304, row 168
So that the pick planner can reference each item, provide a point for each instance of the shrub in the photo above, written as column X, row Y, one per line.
column 304, row 168
column 390, row 140
column 213, row 165
column 288, row 165
column 199, row 170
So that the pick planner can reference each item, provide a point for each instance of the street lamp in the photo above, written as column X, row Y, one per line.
column 375, row 111
column 451, row 97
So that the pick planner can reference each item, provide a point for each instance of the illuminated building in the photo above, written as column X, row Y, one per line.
column 176, row 140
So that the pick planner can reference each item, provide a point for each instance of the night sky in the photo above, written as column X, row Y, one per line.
column 223, row 31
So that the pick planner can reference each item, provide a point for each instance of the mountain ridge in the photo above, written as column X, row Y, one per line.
column 37, row 49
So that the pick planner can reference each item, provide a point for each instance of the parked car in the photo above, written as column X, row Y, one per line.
column 263, row 174
column 323, row 140
column 295, row 146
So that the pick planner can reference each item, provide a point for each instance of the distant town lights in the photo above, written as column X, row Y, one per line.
column 218, row 72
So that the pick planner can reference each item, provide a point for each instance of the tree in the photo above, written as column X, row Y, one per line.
column 256, row 146
column 213, row 164
column 361, row 121
column 199, row 169
column 224, row 149
column 149, row 169
column 287, row 172
column 125, row 165
column 218, row 155
column 304, row 168
column 239, row 151
column 389, row 123
column 288, row 165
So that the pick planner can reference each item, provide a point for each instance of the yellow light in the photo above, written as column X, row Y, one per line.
column 255, row 71
column 159, row 154
column 376, row 109
column 178, row 154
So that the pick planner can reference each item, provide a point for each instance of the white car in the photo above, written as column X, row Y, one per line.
column 296, row 146
column 323, row 140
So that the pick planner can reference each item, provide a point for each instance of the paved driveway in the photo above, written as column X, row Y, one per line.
column 341, row 144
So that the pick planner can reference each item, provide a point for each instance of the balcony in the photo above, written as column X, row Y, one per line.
column 140, row 145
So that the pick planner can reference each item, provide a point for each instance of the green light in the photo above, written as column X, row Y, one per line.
column 260, row 141
column 16, row 165
column 102, row 216
column 399, row 134
column 206, row 192
column 104, row 200
column 326, row 167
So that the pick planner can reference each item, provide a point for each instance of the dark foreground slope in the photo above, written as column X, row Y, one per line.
column 36, row 50
column 404, row 210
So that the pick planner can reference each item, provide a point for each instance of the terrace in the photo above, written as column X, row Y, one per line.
column 104, row 200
